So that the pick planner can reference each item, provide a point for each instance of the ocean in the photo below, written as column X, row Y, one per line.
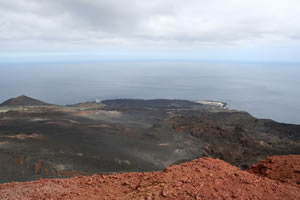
column 269, row 91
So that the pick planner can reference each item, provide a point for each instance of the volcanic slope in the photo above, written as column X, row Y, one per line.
column 132, row 136
column 23, row 101
column 203, row 178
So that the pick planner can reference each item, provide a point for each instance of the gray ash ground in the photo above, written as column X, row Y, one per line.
column 47, row 141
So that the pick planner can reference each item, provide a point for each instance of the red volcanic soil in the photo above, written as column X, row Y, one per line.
column 283, row 168
column 204, row 178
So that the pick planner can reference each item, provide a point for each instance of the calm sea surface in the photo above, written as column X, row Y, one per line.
column 264, row 90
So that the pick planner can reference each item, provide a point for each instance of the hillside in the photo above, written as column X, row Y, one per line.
column 132, row 136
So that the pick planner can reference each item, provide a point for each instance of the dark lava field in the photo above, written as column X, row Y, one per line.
column 39, row 140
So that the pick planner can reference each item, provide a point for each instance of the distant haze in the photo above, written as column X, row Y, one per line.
column 264, row 90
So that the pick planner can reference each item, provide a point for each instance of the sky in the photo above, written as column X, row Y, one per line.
column 234, row 30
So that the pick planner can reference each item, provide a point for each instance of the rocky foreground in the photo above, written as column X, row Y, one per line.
column 283, row 168
column 204, row 178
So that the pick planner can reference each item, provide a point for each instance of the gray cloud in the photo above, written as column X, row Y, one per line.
column 168, row 23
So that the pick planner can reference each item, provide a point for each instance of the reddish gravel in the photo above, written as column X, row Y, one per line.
column 204, row 178
column 283, row 168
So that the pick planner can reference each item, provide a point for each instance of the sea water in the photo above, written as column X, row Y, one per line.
column 264, row 90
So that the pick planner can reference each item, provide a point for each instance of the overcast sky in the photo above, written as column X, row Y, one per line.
column 191, row 29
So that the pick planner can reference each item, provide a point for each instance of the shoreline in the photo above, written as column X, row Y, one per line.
column 213, row 103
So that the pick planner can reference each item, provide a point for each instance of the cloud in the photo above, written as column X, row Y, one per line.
column 90, row 24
